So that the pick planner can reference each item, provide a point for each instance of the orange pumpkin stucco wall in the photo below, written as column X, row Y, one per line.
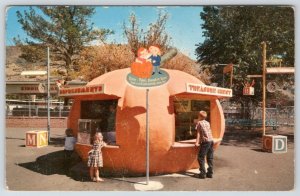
column 166, row 156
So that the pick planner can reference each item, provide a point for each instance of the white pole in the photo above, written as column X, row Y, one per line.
column 147, row 138
column 264, row 57
column 48, row 93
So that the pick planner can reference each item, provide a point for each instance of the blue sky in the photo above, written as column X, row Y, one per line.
column 183, row 25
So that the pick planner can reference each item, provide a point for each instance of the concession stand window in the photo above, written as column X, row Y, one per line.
column 186, row 115
column 97, row 116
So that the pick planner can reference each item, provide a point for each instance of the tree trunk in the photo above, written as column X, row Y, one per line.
column 69, row 67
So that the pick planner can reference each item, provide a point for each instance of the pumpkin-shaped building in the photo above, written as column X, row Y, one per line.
column 115, row 104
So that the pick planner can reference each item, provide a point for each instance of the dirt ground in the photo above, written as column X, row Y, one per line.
column 240, row 165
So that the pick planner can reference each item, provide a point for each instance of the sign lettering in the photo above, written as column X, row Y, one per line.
column 31, row 140
column 279, row 144
column 208, row 90
column 154, row 80
column 43, row 139
column 35, row 89
column 85, row 90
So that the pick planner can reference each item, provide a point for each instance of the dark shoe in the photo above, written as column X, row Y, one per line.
column 209, row 175
column 153, row 73
column 202, row 176
column 159, row 73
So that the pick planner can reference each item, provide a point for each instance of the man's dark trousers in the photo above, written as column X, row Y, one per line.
column 206, row 149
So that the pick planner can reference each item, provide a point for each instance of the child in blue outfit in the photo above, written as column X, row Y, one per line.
column 155, row 59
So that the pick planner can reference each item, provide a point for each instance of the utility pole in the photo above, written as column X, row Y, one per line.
column 264, row 62
column 48, row 93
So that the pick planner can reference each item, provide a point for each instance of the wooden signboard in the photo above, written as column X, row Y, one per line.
column 248, row 90
column 228, row 68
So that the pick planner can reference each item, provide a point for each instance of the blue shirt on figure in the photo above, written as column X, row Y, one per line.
column 155, row 60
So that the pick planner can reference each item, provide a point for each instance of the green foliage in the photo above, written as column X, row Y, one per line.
column 65, row 29
column 233, row 34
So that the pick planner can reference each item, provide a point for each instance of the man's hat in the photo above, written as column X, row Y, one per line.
column 203, row 114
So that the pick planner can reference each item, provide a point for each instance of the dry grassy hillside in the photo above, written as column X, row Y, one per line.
column 92, row 62
column 15, row 65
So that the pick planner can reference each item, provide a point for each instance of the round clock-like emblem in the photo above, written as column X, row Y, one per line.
column 272, row 87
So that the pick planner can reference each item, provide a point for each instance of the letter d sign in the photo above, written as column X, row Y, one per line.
column 275, row 143
column 280, row 144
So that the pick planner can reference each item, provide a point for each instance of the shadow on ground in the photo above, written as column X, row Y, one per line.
column 49, row 164
column 14, row 138
column 56, row 163
column 253, row 138
column 57, row 142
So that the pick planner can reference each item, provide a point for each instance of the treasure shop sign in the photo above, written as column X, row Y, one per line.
column 208, row 90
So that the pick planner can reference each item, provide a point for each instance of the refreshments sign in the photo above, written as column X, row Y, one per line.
column 208, row 90
column 84, row 90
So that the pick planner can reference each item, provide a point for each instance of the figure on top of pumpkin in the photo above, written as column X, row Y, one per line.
column 142, row 67
column 155, row 58
column 143, row 56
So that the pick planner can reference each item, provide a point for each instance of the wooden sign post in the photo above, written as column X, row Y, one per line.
column 229, row 68
column 270, row 70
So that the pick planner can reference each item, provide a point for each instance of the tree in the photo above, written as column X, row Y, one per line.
column 233, row 34
column 97, row 60
column 155, row 35
column 185, row 64
column 65, row 29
